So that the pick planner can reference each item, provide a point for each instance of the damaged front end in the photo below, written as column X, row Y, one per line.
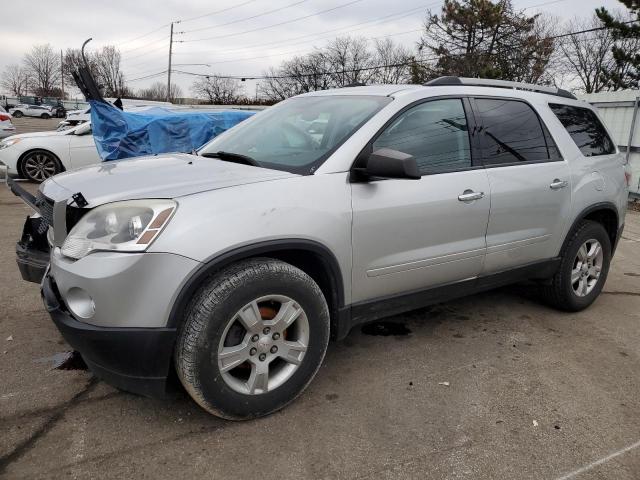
column 33, row 250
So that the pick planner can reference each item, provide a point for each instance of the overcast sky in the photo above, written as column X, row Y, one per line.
column 220, row 33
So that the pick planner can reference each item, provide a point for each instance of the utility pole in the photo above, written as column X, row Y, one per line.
column 169, row 71
column 62, row 73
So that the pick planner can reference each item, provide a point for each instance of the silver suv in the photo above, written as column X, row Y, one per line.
column 233, row 267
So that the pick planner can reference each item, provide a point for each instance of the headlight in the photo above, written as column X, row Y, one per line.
column 129, row 226
column 8, row 142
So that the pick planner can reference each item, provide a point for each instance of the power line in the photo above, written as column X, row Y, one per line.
column 213, row 13
column 146, row 44
column 320, row 35
column 145, row 35
column 245, row 18
column 146, row 77
column 273, row 25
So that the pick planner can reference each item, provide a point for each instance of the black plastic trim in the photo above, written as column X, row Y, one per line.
column 370, row 310
column 137, row 360
column 590, row 209
column 253, row 250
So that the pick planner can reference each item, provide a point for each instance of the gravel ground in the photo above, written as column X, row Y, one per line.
column 490, row 386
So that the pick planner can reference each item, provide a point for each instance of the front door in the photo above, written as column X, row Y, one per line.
column 414, row 234
column 82, row 147
column 530, row 185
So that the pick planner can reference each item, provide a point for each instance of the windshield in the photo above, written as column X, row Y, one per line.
column 299, row 134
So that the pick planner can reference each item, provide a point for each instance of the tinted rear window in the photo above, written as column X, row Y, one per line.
column 512, row 132
column 585, row 129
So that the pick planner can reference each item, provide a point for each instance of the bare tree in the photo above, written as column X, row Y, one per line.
column 585, row 57
column 349, row 61
column 14, row 80
column 217, row 90
column 110, row 75
column 158, row 91
column 42, row 65
column 394, row 61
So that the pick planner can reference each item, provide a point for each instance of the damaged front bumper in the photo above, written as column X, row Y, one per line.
column 32, row 250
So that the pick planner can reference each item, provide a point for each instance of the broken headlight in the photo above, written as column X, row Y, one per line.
column 129, row 226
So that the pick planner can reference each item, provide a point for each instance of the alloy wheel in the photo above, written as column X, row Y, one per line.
column 587, row 267
column 263, row 344
column 40, row 166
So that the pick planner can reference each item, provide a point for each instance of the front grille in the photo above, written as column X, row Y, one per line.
column 73, row 214
column 46, row 211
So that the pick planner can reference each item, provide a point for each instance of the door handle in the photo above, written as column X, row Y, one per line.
column 557, row 184
column 470, row 196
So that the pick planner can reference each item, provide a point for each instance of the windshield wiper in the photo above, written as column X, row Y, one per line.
column 232, row 157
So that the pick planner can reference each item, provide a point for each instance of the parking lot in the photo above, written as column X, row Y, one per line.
column 491, row 386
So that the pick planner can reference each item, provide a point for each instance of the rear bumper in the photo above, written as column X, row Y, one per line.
column 137, row 360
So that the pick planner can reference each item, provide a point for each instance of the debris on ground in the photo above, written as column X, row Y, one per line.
column 535, row 423
column 10, row 338
column 65, row 361
column 446, row 384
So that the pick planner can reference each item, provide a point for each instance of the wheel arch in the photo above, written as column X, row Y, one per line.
column 313, row 258
column 604, row 213
column 24, row 155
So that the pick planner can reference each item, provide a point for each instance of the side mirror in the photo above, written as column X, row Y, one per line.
column 389, row 163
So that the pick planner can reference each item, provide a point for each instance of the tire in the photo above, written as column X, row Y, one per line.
column 39, row 165
column 228, row 386
column 17, row 114
column 572, row 296
column 45, row 116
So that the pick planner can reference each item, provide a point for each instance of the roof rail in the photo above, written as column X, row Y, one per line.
column 487, row 82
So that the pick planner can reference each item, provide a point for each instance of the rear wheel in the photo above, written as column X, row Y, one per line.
column 583, row 269
column 253, row 338
column 17, row 114
column 39, row 165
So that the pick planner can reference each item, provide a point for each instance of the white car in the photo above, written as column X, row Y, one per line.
column 76, row 117
column 40, row 111
column 39, row 155
column 6, row 127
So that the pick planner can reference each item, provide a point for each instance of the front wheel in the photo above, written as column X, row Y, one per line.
column 39, row 165
column 17, row 114
column 253, row 338
column 45, row 116
column 583, row 270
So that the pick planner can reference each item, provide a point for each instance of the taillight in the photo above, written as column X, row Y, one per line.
column 627, row 177
column 4, row 117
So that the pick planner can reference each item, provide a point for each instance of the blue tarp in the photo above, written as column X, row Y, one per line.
column 121, row 134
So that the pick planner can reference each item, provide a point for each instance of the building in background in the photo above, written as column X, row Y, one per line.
column 621, row 112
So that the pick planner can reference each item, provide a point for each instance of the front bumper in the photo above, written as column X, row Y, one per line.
column 137, row 360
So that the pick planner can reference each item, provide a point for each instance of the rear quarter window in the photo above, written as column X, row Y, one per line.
column 585, row 129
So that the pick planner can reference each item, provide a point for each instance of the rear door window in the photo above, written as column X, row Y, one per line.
column 585, row 129
column 512, row 133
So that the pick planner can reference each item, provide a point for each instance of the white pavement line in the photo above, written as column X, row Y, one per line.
column 611, row 456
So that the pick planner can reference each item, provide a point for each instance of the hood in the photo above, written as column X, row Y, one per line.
column 162, row 176
column 50, row 133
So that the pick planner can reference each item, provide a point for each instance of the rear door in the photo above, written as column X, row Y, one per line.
column 530, row 184
column 414, row 234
